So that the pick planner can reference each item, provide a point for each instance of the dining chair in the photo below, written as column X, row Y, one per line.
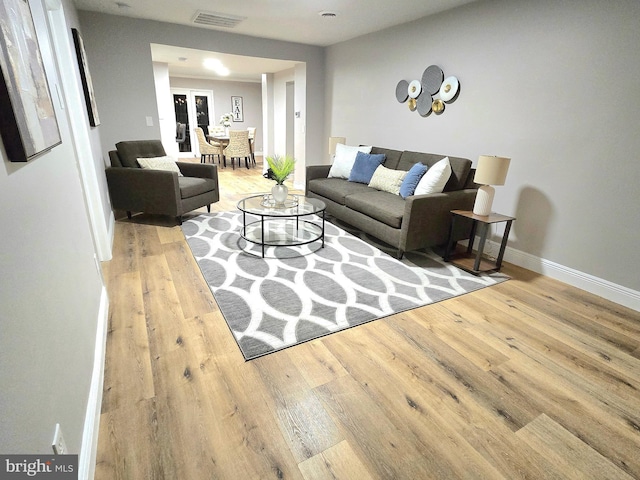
column 238, row 147
column 252, row 143
column 206, row 148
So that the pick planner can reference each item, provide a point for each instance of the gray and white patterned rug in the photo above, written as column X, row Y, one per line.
column 296, row 294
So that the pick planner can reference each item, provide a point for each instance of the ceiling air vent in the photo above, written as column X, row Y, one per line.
column 213, row 19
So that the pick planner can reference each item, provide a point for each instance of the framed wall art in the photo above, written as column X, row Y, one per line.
column 236, row 109
column 28, row 122
column 85, row 76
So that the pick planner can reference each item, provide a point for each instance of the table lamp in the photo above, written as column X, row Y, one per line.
column 491, row 170
column 333, row 141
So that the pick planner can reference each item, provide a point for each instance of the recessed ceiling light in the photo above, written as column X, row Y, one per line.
column 216, row 65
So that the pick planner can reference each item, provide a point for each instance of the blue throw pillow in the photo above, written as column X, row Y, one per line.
column 365, row 165
column 410, row 182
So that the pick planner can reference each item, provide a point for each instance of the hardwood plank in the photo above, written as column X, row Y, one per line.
column 316, row 363
column 128, row 377
column 567, row 453
column 392, row 448
column 305, row 424
column 147, row 457
column 437, row 391
column 576, row 412
column 194, row 294
column 339, row 461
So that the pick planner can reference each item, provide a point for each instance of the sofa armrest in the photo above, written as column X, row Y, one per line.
column 200, row 170
column 142, row 190
column 427, row 218
column 316, row 171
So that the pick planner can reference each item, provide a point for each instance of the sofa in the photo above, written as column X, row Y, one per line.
column 163, row 186
column 411, row 223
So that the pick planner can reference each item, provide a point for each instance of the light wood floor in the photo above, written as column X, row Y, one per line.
column 527, row 379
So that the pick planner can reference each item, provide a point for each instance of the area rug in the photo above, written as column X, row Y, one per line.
column 296, row 294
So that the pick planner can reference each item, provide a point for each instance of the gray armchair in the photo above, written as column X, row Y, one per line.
column 135, row 189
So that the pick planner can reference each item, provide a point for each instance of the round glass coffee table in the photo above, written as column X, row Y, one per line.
column 297, row 221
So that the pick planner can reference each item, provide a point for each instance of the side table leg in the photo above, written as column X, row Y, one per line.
column 483, row 237
column 450, row 242
column 503, row 245
column 472, row 235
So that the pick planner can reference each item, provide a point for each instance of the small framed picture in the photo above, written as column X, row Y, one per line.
column 85, row 76
column 236, row 109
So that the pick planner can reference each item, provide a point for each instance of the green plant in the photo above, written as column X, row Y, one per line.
column 281, row 167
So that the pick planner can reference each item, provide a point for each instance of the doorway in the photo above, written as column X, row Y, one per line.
column 194, row 108
column 290, row 146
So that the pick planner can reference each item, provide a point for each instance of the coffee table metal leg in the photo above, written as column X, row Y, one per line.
column 262, row 233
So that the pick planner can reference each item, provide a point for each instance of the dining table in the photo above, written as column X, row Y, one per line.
column 223, row 140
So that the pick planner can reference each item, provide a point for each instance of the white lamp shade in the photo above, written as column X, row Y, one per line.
column 491, row 170
column 333, row 141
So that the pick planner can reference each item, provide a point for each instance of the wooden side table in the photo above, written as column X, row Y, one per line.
column 466, row 260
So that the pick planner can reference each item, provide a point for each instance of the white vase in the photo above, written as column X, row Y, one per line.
column 279, row 193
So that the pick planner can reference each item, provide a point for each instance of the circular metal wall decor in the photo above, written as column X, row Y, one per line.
column 402, row 91
column 424, row 104
column 449, row 89
column 430, row 93
column 415, row 88
column 432, row 79
column 437, row 106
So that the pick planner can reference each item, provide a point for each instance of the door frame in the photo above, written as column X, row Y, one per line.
column 191, row 113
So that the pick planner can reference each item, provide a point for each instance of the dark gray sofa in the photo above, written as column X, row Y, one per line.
column 416, row 222
column 135, row 189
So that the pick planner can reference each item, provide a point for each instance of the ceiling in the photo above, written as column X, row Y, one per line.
column 297, row 21
column 188, row 63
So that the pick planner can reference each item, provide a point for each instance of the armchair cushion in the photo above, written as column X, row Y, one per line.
column 192, row 186
column 129, row 151
column 160, row 163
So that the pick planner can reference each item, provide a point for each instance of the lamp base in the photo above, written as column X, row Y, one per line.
column 484, row 200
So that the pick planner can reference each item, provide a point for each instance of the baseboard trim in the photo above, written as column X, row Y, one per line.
column 87, row 460
column 584, row 281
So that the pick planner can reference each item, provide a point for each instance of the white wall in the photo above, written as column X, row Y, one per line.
column 51, row 291
column 166, row 111
column 124, row 75
column 554, row 85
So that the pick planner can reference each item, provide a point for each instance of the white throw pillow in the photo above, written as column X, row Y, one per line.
column 387, row 180
column 435, row 179
column 344, row 160
column 160, row 163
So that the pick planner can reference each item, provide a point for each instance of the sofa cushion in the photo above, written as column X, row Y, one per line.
column 344, row 159
column 192, row 186
column 410, row 182
column 435, row 179
column 393, row 156
column 160, row 163
column 335, row 189
column 387, row 180
column 129, row 151
column 382, row 206
column 364, row 166
column 460, row 167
